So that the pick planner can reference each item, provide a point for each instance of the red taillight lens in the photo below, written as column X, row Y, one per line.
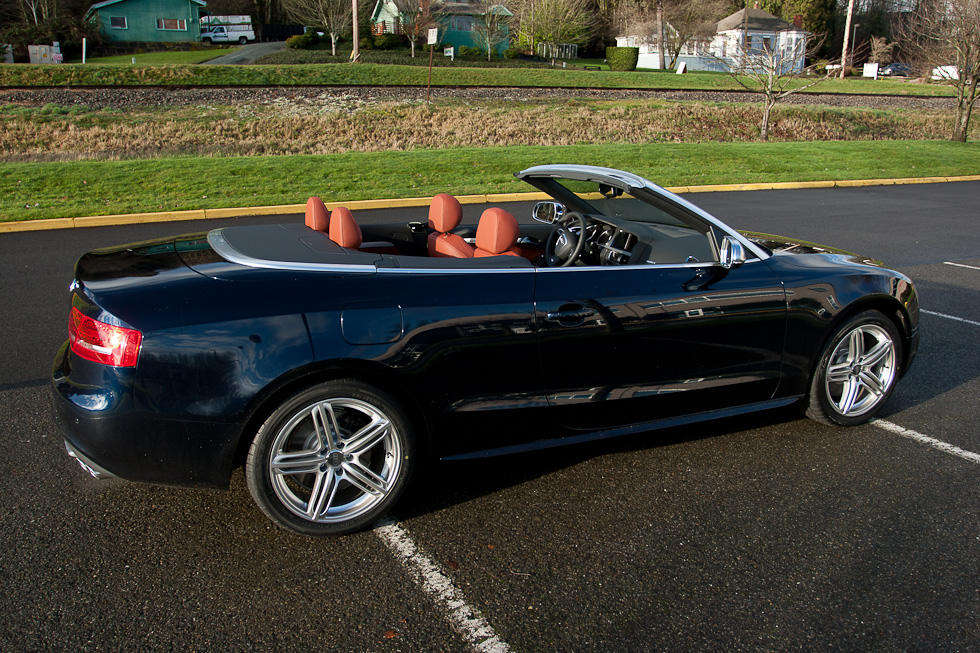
column 103, row 343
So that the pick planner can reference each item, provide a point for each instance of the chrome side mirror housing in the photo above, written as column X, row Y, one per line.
column 732, row 253
column 548, row 212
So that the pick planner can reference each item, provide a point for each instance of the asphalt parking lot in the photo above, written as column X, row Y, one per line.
column 766, row 532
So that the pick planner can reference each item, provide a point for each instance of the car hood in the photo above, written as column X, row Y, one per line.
column 780, row 245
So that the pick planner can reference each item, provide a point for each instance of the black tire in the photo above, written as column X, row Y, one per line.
column 332, row 459
column 856, row 371
column 206, row 41
column 242, row 40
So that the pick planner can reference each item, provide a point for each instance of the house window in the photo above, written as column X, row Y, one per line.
column 117, row 22
column 172, row 23
column 462, row 23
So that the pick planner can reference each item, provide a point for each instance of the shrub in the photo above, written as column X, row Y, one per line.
column 367, row 43
column 512, row 53
column 303, row 41
column 470, row 51
column 387, row 41
column 622, row 59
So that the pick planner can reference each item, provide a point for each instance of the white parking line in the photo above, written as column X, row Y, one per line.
column 945, row 447
column 949, row 317
column 961, row 265
column 463, row 617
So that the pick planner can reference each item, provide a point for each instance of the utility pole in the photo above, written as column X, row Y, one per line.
column 356, row 51
column 847, row 33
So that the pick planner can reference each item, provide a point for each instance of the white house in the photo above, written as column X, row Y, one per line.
column 751, row 31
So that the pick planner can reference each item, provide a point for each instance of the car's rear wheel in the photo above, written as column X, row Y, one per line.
column 856, row 371
column 242, row 40
column 332, row 459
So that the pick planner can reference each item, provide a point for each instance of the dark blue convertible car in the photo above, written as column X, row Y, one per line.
column 329, row 357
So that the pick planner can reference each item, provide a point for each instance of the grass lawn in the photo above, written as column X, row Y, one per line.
column 81, row 188
column 160, row 58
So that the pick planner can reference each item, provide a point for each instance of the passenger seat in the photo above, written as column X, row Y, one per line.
column 445, row 214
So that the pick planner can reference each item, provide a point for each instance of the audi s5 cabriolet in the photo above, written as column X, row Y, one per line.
column 329, row 357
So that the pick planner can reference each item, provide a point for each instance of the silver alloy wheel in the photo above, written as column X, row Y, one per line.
column 335, row 460
column 860, row 370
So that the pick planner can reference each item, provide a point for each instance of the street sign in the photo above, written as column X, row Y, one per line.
column 433, row 36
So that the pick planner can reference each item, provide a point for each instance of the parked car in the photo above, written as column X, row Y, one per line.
column 896, row 70
column 329, row 357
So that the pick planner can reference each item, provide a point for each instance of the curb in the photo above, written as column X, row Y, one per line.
column 363, row 205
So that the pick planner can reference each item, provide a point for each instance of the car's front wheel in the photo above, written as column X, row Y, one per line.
column 332, row 459
column 856, row 371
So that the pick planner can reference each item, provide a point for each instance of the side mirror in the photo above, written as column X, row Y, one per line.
column 548, row 212
column 732, row 253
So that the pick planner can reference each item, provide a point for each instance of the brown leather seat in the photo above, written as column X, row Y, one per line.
column 343, row 229
column 496, row 234
column 445, row 214
column 317, row 216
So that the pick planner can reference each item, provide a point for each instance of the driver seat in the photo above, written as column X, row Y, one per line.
column 496, row 234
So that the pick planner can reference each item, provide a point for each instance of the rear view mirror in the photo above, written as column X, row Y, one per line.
column 548, row 212
column 732, row 253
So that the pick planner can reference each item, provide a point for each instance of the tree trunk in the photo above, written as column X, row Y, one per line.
column 766, row 112
column 333, row 44
column 961, row 123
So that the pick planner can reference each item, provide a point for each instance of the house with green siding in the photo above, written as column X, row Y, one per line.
column 458, row 22
column 149, row 21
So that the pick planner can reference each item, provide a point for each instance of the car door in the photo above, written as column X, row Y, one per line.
column 634, row 344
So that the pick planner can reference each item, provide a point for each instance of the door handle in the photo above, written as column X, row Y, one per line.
column 572, row 317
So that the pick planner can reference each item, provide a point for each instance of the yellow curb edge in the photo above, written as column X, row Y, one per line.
column 408, row 202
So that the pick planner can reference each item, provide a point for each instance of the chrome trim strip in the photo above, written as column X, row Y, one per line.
column 629, row 430
column 454, row 270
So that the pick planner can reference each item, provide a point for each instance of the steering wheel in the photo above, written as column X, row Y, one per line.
column 563, row 246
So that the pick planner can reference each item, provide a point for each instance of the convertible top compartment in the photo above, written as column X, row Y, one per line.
column 292, row 246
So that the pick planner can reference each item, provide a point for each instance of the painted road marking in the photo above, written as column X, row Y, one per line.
column 961, row 265
column 464, row 618
column 950, row 317
column 945, row 447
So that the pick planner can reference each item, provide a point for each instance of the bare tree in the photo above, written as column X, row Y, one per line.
column 942, row 33
column 684, row 22
column 490, row 28
column 417, row 17
column 881, row 50
column 553, row 21
column 774, row 68
column 331, row 15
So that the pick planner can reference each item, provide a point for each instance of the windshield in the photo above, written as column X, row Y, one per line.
column 614, row 203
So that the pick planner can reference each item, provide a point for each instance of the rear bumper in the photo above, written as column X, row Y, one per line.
column 109, row 435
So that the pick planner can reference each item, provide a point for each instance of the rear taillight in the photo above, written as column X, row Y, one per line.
column 103, row 343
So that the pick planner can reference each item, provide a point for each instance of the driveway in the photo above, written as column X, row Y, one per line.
column 247, row 53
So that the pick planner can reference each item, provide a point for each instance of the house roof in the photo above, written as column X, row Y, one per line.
column 106, row 3
column 449, row 8
column 757, row 20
